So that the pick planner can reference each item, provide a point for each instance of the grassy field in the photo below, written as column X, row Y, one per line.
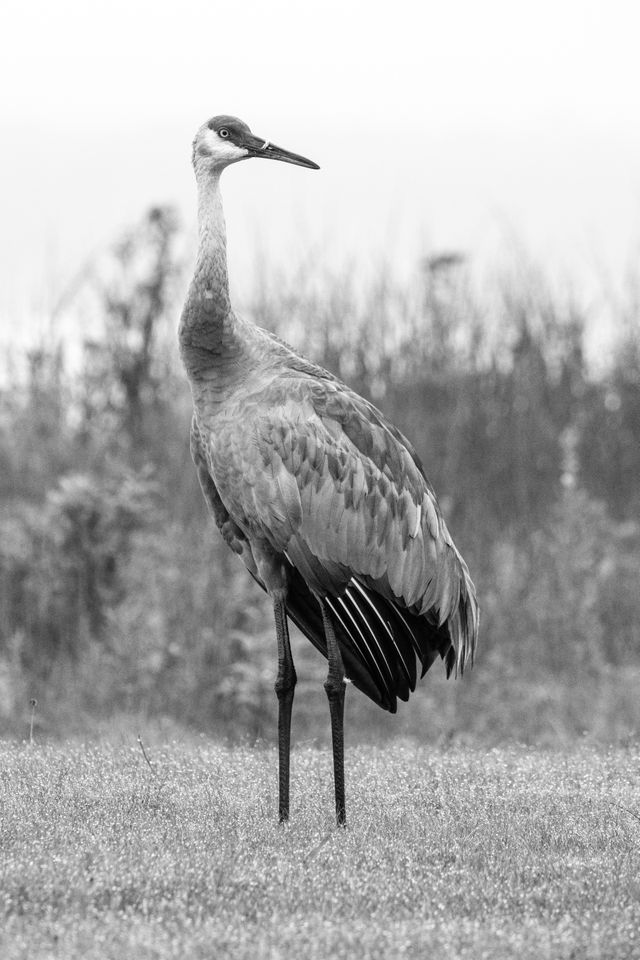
column 509, row 853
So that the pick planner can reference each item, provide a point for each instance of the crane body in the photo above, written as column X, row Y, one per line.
column 325, row 501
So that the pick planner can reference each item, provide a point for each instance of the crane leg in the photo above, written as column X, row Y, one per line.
column 335, row 687
column 284, row 687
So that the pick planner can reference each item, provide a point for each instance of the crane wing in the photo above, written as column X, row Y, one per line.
column 338, row 491
column 356, row 625
column 370, row 526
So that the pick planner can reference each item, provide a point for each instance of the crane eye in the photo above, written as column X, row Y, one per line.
column 223, row 132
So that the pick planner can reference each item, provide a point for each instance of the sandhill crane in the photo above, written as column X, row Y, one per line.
column 320, row 495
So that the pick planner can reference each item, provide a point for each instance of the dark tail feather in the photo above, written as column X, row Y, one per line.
column 378, row 640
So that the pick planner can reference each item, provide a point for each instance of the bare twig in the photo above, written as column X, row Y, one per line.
column 318, row 846
column 33, row 703
column 144, row 754
column 631, row 813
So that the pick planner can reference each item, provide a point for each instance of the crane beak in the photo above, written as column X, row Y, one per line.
column 263, row 148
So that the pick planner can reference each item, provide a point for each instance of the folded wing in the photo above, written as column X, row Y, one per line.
column 369, row 537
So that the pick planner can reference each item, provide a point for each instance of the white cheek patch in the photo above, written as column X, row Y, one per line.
column 229, row 151
column 222, row 148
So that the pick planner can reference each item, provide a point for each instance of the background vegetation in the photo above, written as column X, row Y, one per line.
column 119, row 601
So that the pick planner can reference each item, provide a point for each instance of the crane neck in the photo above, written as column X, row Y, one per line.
column 211, row 264
column 207, row 324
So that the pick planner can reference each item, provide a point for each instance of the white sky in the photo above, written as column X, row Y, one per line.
column 438, row 125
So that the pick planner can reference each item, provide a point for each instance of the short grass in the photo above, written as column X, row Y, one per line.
column 462, row 853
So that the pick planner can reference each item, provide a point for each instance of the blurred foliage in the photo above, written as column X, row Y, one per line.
column 61, row 564
column 116, row 592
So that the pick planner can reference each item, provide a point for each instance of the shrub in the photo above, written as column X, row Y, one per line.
column 61, row 564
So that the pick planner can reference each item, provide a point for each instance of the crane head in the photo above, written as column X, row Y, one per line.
column 224, row 140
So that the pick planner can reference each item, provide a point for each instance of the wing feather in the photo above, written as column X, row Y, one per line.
column 390, row 528
column 329, row 482
column 403, row 648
